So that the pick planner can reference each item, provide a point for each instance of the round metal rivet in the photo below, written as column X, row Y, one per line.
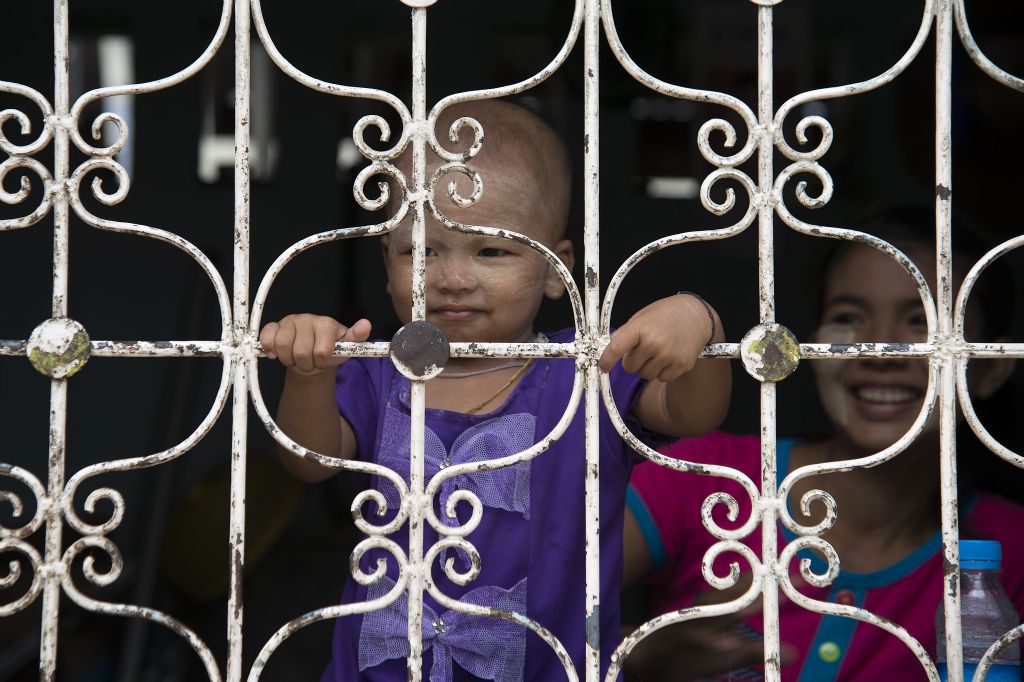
column 59, row 347
column 420, row 350
column 770, row 352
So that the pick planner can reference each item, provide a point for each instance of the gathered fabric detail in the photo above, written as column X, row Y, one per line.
column 507, row 488
column 488, row 647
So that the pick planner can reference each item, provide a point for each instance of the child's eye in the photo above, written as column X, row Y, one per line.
column 407, row 251
column 493, row 252
column 918, row 320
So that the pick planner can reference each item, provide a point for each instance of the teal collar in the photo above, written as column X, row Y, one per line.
column 850, row 579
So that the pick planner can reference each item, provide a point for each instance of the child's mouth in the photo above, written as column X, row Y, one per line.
column 456, row 313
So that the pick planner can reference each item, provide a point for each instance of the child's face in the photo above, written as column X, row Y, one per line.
column 870, row 298
column 480, row 288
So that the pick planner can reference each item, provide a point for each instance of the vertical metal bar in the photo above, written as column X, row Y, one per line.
column 947, row 361
column 419, row 308
column 769, row 536
column 592, row 302
column 61, row 105
column 765, row 167
column 53, row 566
column 766, row 298
column 241, row 358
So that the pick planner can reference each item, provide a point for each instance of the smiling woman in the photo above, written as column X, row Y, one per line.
column 868, row 297
column 887, row 533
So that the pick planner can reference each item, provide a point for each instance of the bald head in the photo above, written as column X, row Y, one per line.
column 521, row 160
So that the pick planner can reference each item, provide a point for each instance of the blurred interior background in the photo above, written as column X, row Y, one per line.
column 180, row 158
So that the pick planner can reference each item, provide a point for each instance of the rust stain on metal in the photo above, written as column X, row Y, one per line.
column 591, row 277
column 770, row 352
column 943, row 192
column 59, row 347
column 420, row 350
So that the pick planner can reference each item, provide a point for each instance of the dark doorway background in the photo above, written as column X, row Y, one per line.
column 174, row 536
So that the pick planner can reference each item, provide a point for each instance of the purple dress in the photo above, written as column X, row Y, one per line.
column 531, row 537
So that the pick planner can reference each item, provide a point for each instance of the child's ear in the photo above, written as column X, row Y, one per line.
column 553, row 285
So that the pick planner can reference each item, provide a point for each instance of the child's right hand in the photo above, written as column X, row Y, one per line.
column 304, row 343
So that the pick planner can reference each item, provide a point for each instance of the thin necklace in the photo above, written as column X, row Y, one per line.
column 519, row 372
column 539, row 337
column 475, row 372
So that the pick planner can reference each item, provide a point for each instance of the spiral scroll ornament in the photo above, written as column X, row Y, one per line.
column 19, row 157
column 733, row 577
column 382, row 126
column 96, row 130
column 452, row 190
column 378, row 499
column 14, row 573
column 809, row 543
column 381, row 567
column 27, row 479
column 454, row 134
column 720, row 125
column 384, row 191
column 459, row 544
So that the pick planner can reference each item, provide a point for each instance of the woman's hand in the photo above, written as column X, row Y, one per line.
column 703, row 647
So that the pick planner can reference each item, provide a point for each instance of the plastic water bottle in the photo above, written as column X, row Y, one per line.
column 986, row 614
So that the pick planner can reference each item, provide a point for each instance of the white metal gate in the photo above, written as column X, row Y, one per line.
column 60, row 346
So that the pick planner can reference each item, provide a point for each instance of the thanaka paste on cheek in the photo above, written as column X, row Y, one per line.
column 828, row 374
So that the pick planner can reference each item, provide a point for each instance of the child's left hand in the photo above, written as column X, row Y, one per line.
column 663, row 340
column 683, row 397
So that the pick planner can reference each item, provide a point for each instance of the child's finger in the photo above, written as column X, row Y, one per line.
column 325, row 332
column 328, row 332
column 360, row 331
column 623, row 340
column 653, row 367
column 304, row 346
column 283, row 340
column 267, row 336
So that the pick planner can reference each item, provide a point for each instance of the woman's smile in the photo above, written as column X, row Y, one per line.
column 881, row 401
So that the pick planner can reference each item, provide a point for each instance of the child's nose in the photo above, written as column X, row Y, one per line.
column 453, row 274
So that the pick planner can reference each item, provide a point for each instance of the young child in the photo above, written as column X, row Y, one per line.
column 888, row 530
column 531, row 536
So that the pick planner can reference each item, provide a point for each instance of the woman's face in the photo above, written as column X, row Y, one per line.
column 868, row 297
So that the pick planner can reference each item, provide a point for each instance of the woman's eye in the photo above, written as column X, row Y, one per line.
column 430, row 252
column 493, row 252
column 845, row 318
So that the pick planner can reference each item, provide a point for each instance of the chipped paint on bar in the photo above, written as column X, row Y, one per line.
column 60, row 346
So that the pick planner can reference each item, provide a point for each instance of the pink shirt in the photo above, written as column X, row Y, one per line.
column 667, row 504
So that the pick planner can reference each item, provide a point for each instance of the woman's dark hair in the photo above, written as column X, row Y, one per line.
column 907, row 227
